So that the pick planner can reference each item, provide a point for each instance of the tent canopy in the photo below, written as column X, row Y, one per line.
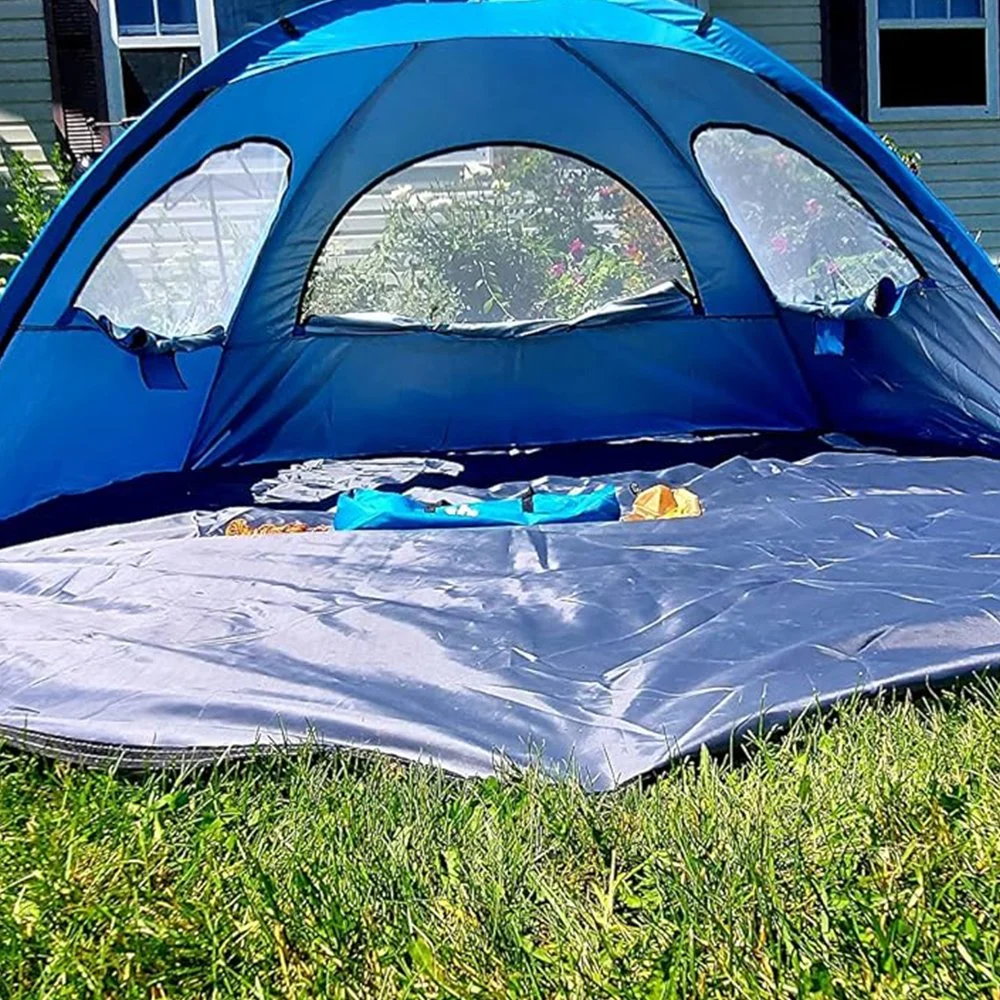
column 313, row 111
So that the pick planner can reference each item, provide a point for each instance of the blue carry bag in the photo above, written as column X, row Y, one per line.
column 365, row 509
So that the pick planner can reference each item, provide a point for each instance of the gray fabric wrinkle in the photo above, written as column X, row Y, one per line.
column 605, row 648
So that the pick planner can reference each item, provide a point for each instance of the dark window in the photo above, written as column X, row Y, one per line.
column 930, row 68
column 937, row 56
column 149, row 73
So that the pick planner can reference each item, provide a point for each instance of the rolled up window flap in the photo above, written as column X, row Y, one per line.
column 662, row 303
column 138, row 340
column 156, row 354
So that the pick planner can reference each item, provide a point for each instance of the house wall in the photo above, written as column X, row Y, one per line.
column 961, row 160
column 961, row 163
column 789, row 27
column 25, row 88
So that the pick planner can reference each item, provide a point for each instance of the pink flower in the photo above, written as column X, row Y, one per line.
column 606, row 191
column 558, row 269
column 576, row 248
column 578, row 279
column 832, row 267
column 812, row 208
column 779, row 243
column 781, row 159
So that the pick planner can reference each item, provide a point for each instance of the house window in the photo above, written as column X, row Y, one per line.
column 932, row 59
column 149, row 45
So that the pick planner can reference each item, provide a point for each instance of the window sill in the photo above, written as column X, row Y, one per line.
column 955, row 114
column 159, row 41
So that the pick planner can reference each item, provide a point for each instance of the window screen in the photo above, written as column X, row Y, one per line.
column 488, row 235
column 814, row 242
column 179, row 267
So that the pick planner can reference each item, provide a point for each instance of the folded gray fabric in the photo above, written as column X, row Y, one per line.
column 323, row 479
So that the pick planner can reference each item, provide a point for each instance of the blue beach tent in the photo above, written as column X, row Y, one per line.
column 842, row 299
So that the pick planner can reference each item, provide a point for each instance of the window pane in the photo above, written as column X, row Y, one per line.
column 895, row 8
column 490, row 235
column 147, row 74
column 932, row 8
column 178, row 17
column 933, row 68
column 814, row 242
column 966, row 8
column 135, row 17
column 179, row 267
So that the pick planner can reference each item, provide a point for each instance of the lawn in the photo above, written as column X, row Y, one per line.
column 857, row 856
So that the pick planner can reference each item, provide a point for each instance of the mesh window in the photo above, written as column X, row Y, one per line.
column 489, row 235
column 179, row 267
column 814, row 242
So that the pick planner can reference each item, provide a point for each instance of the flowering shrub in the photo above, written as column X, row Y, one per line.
column 531, row 235
column 813, row 241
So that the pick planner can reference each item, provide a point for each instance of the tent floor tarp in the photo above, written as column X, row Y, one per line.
column 611, row 648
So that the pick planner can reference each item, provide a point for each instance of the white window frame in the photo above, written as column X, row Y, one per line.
column 876, row 113
column 113, row 43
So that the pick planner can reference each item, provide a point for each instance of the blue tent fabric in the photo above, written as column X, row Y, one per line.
column 624, row 85
column 627, row 85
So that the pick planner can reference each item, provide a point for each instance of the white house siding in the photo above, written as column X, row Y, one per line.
column 961, row 160
column 25, row 88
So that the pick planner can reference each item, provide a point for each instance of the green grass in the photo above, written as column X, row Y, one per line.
column 859, row 856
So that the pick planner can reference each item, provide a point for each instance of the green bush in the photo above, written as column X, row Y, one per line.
column 28, row 196
column 910, row 157
column 534, row 235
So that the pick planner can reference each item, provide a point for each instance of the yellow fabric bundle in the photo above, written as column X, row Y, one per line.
column 659, row 502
